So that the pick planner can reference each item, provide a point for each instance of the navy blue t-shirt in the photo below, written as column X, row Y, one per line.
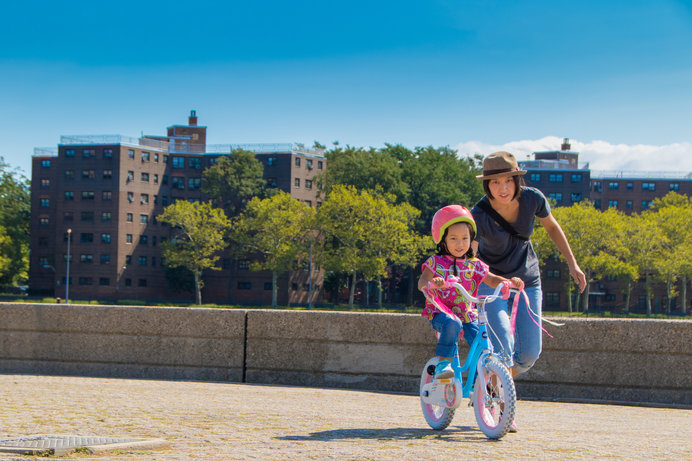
column 506, row 255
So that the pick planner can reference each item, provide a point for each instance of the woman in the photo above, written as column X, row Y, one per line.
column 506, row 248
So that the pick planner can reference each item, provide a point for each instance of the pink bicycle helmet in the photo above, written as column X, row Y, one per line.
column 446, row 216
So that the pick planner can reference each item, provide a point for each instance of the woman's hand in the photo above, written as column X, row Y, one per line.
column 578, row 276
column 517, row 282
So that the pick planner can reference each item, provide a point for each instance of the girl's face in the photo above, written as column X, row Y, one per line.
column 503, row 189
column 458, row 239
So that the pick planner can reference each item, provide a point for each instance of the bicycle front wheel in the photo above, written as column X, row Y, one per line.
column 438, row 415
column 494, row 399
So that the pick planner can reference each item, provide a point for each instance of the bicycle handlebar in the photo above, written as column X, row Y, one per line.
column 476, row 300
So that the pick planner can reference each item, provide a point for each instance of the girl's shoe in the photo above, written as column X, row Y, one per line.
column 444, row 370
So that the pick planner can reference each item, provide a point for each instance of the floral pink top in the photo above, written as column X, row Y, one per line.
column 471, row 273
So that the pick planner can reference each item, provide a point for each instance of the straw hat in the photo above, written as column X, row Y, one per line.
column 500, row 164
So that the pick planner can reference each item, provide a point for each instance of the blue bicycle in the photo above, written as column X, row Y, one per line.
column 488, row 383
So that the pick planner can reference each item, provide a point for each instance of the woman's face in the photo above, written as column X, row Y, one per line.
column 503, row 189
column 458, row 239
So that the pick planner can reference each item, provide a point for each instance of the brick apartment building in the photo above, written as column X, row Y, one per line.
column 560, row 177
column 94, row 203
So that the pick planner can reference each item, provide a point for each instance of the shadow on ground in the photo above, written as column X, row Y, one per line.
column 456, row 434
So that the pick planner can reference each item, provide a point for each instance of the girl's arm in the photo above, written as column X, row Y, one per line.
column 556, row 234
column 428, row 276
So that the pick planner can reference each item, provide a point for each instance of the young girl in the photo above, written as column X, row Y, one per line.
column 453, row 230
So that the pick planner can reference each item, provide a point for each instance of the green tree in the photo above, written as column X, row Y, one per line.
column 278, row 229
column 363, row 231
column 234, row 180
column 198, row 237
column 674, row 215
column 647, row 244
column 15, row 210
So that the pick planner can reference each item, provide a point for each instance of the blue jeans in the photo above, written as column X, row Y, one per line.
column 449, row 328
column 522, row 350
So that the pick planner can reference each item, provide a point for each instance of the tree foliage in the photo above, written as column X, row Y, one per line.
column 234, row 180
column 276, row 229
column 198, row 237
column 15, row 210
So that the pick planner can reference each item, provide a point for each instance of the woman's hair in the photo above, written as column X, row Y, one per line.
column 442, row 246
column 518, row 182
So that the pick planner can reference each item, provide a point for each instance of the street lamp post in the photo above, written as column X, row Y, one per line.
column 67, row 277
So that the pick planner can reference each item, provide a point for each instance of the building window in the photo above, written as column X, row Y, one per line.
column 576, row 177
column 69, row 153
column 319, row 164
column 535, row 177
column 143, row 198
column 244, row 285
column 105, row 238
column 613, row 185
column 45, row 203
column 142, row 260
column 131, row 154
column 104, row 281
column 610, row 297
column 129, row 217
column 107, row 174
column 68, row 216
column 86, row 237
column 145, row 156
column 555, row 177
column 178, row 182
column 164, row 179
column 612, row 203
column 194, row 163
column 597, row 186
column 244, row 264
column 270, row 161
column 128, row 282
column 86, row 281
column 597, row 204
column 164, row 200
column 178, row 162
column 106, row 216
column 296, row 181
column 298, row 161
column 143, row 219
column 629, row 186
column 557, row 196
column 128, row 238
column 107, row 154
column 271, row 182
column 552, row 298
column 87, row 216
column 156, row 158
column 130, row 197
column 130, row 176
column 142, row 283
column 156, row 179
column 105, row 258
column 69, row 195
column 88, row 174
column 145, row 177
column 43, row 221
column 194, row 183
column 88, row 153
column 267, row 286
column 45, row 183
column 648, row 186
column 106, row 195
column 143, row 239
column 646, row 204
column 128, row 260
column 674, row 186
column 308, row 163
column 576, row 197
column 69, row 175
column 308, row 184
column 45, row 163
column 86, row 259
column 628, row 204
column 88, row 195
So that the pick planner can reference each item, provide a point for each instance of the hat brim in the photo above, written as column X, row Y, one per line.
column 502, row 175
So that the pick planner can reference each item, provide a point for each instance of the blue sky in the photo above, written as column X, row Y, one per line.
column 475, row 75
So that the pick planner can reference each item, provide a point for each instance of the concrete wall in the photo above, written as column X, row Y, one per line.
column 647, row 361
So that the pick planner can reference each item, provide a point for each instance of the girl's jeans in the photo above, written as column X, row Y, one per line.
column 523, row 350
column 449, row 328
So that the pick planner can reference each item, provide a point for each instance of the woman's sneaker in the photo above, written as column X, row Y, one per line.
column 444, row 370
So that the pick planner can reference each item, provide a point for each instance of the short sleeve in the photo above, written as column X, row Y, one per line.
column 428, row 264
column 542, row 204
column 481, row 271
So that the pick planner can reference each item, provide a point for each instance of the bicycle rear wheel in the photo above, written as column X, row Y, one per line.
column 494, row 399
column 437, row 416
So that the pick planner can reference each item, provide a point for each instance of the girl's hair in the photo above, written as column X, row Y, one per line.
column 518, row 182
column 443, row 251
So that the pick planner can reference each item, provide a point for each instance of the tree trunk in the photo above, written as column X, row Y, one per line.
column 352, row 291
column 379, row 291
column 647, row 284
column 586, row 299
column 275, row 288
column 198, row 288
column 366, row 298
column 568, row 289
column 628, row 295
column 669, row 292
column 683, row 295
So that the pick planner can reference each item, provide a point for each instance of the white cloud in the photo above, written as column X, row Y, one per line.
column 600, row 155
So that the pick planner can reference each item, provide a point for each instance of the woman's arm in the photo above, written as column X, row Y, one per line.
column 556, row 234
column 493, row 281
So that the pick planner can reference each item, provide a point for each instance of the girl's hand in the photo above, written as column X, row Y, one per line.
column 437, row 282
column 517, row 283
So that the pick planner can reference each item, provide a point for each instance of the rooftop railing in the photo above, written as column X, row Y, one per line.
column 615, row 174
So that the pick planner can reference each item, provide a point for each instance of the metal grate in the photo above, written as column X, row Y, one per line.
column 63, row 444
